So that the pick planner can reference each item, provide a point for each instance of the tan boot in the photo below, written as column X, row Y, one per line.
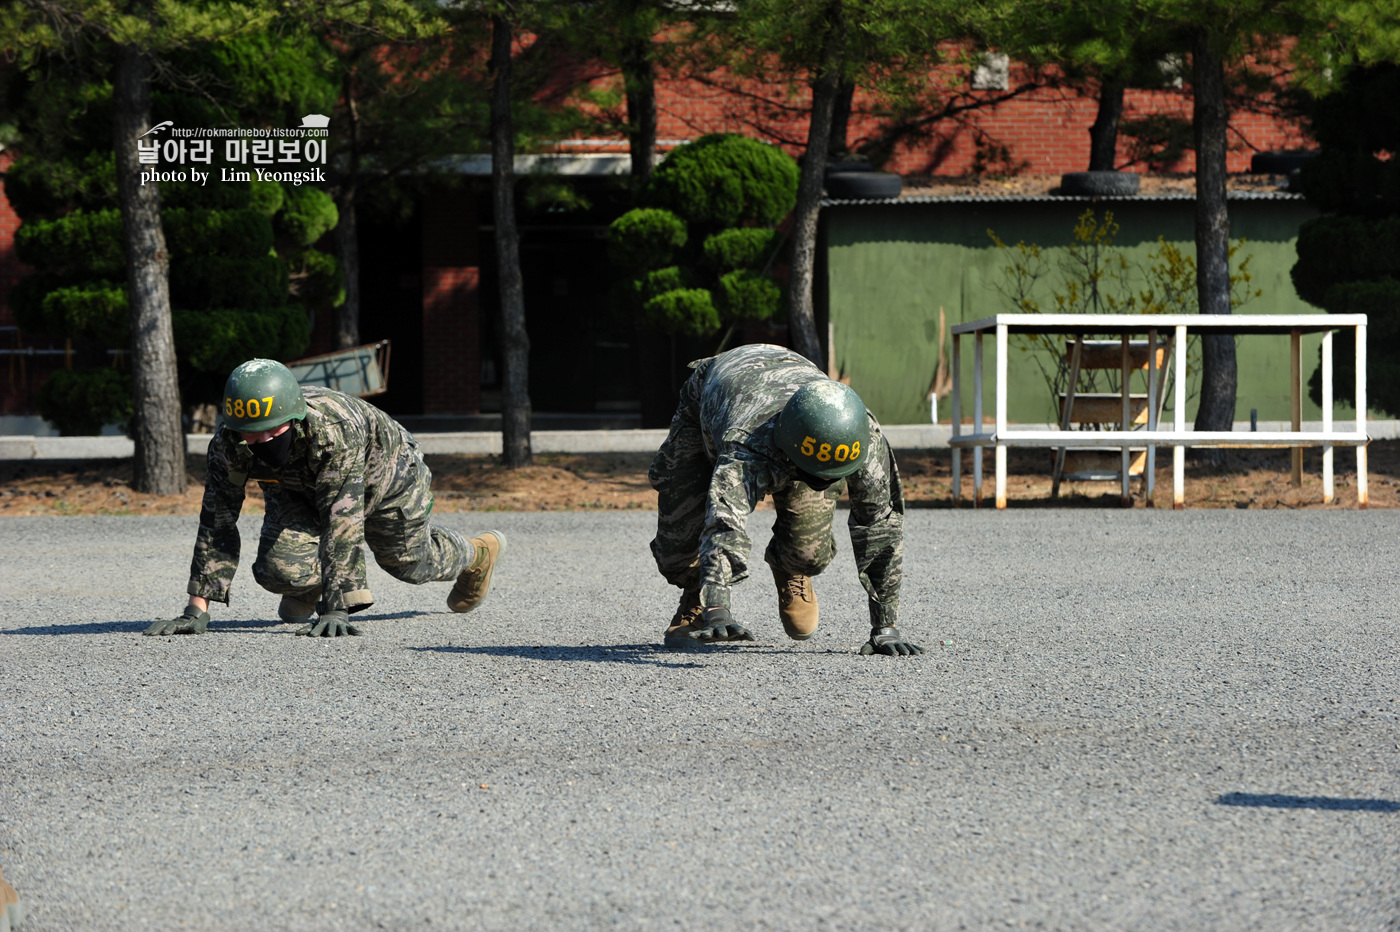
column 685, row 620
column 11, row 910
column 475, row 581
column 797, row 604
column 297, row 610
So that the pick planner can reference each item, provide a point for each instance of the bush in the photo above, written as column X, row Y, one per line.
column 219, row 340
column 218, row 281
column 746, row 294
column 689, row 310
column 80, row 241
column 229, row 233
column 98, row 311
column 742, row 248
column 725, row 180
column 645, row 238
column 80, row 402
column 1336, row 249
column 307, row 214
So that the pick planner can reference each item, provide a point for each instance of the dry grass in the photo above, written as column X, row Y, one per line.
column 618, row 481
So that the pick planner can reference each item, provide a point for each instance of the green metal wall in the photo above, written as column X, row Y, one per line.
column 890, row 267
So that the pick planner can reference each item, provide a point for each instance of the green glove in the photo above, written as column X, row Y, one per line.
column 193, row 621
column 330, row 625
column 889, row 641
column 719, row 625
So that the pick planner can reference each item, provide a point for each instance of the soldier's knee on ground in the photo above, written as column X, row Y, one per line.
column 286, row 579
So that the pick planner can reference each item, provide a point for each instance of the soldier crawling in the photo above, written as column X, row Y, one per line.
column 762, row 420
column 336, row 473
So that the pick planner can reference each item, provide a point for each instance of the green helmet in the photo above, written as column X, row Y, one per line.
column 262, row 394
column 824, row 430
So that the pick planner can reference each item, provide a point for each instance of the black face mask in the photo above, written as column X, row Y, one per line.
column 817, row 485
column 277, row 451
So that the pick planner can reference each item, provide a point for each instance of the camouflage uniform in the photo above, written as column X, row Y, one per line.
column 355, row 477
column 718, row 463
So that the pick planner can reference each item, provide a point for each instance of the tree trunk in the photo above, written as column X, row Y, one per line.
column 347, row 247
column 1103, row 135
column 802, row 321
column 839, row 145
column 159, row 467
column 515, row 391
column 639, row 78
column 347, row 237
column 1210, row 120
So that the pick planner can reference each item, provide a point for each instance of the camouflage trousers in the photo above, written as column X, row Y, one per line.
column 802, row 543
column 397, row 532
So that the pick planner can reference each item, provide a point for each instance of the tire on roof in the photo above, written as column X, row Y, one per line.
column 863, row 185
column 1099, row 184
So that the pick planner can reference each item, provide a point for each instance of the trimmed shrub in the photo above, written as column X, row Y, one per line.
column 745, row 293
column 80, row 401
column 1332, row 250
column 726, row 180
column 307, row 214
column 218, row 340
column 97, row 310
column 229, row 233
column 645, row 238
column 80, row 241
column 689, row 310
column 198, row 282
column 742, row 248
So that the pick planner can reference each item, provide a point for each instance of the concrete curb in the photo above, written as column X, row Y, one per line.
column 900, row 436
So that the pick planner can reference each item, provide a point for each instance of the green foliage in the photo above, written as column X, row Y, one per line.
column 1349, row 260
column 724, row 180
column 218, row 340
column 232, row 233
column 741, row 248
column 673, row 253
column 97, row 311
column 316, row 279
column 1096, row 277
column 1338, row 249
column 645, row 238
column 686, row 310
column 307, row 214
column 222, row 281
column 79, row 401
column 745, row 294
column 36, row 186
column 78, row 241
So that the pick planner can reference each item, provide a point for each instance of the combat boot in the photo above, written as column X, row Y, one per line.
column 797, row 604
column 298, row 609
column 475, row 581
column 686, row 619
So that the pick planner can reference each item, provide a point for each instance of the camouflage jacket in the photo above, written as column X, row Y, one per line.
column 348, row 456
column 740, row 394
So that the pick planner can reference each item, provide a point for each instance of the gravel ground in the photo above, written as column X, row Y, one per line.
column 1126, row 720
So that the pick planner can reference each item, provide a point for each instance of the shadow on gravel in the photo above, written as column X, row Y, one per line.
column 1335, row 803
column 135, row 627
column 652, row 654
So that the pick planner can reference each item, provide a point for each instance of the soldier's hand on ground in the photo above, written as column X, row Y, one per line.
column 330, row 625
column 889, row 641
column 719, row 625
column 192, row 621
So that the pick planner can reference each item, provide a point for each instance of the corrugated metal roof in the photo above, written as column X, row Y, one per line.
column 1050, row 198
